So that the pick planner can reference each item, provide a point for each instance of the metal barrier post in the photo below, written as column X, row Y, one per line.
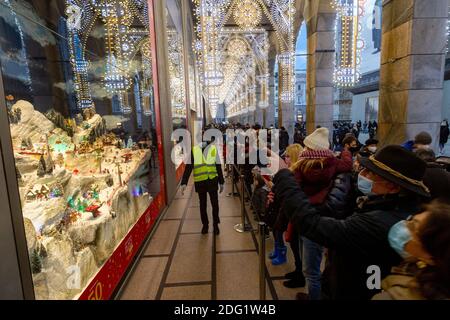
column 262, row 261
column 233, row 192
column 243, row 226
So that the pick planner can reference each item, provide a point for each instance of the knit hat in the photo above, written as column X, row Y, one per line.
column 318, row 140
column 423, row 138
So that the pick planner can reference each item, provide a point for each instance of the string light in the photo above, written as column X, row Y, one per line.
column 347, row 41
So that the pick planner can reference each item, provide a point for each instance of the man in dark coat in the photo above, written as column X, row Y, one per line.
column 393, row 187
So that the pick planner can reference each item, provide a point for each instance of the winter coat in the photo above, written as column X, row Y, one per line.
column 340, row 200
column 408, row 145
column 355, row 243
column 437, row 179
column 284, row 140
column 206, row 185
column 259, row 200
column 400, row 285
column 317, row 182
column 443, row 135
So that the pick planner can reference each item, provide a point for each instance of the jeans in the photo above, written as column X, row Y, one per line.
column 296, row 244
column 311, row 259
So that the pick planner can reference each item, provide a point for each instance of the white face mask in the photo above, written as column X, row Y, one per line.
column 372, row 149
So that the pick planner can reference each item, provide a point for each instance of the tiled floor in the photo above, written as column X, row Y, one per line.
column 182, row 264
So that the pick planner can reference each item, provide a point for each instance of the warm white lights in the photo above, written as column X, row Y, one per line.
column 247, row 14
column 347, row 41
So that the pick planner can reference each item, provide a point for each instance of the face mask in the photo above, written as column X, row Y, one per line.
column 365, row 185
column 372, row 149
column 354, row 149
column 399, row 236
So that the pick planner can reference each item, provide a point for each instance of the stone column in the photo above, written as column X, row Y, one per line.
column 412, row 69
column 320, row 68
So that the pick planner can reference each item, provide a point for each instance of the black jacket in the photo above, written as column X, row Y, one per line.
column 341, row 198
column 437, row 179
column 354, row 243
column 284, row 140
column 207, row 185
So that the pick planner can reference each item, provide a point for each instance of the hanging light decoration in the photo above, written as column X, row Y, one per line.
column 78, row 60
column 247, row 14
column 347, row 41
column 231, row 64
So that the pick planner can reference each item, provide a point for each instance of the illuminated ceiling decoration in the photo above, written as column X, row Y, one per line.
column 247, row 14
column 222, row 61
column 348, row 44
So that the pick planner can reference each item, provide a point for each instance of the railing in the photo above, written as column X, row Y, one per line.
column 245, row 226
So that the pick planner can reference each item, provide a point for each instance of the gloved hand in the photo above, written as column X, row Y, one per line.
column 183, row 189
column 221, row 187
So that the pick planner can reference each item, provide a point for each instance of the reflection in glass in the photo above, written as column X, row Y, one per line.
column 78, row 81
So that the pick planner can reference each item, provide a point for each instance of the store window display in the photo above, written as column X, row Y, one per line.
column 177, row 78
column 77, row 80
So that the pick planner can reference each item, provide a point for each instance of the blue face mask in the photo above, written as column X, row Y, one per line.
column 399, row 236
column 365, row 185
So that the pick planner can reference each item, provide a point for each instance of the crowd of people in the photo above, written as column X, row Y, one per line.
column 356, row 207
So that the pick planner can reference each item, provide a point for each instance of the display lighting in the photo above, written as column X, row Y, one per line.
column 347, row 41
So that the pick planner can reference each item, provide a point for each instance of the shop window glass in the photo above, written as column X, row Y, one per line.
column 77, row 78
column 174, row 33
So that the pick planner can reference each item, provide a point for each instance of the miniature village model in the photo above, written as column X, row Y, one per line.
column 82, row 188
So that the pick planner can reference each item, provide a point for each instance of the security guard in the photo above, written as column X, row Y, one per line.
column 208, row 179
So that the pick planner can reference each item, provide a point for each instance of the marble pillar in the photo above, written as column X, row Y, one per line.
column 320, row 68
column 412, row 69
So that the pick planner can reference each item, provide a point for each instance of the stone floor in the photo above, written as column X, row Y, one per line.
column 182, row 264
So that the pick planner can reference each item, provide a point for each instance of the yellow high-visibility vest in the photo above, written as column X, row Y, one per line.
column 204, row 169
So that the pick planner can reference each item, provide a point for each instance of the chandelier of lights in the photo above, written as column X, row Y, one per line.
column 348, row 43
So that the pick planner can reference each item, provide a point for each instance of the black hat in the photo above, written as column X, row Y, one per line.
column 371, row 141
column 399, row 166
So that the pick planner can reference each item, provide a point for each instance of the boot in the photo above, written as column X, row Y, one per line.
column 298, row 281
column 281, row 257
column 274, row 253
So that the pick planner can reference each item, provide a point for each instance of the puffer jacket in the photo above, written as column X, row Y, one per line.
column 354, row 243
column 341, row 198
